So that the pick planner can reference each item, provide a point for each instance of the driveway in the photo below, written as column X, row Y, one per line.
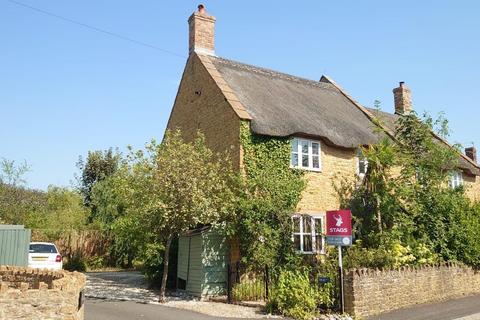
column 125, row 295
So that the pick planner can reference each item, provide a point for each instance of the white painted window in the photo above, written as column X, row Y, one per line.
column 308, row 233
column 305, row 154
column 362, row 164
column 456, row 179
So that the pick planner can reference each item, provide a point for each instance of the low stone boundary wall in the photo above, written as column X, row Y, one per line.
column 370, row 292
column 27, row 293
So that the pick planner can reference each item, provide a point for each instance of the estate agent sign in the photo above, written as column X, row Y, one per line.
column 339, row 233
column 339, row 228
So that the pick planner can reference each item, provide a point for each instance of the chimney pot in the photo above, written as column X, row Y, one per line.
column 201, row 32
column 403, row 99
column 471, row 152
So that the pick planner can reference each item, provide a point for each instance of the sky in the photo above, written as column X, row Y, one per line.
column 66, row 89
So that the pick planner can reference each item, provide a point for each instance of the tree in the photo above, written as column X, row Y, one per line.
column 98, row 166
column 11, row 173
column 17, row 203
column 173, row 187
column 404, row 204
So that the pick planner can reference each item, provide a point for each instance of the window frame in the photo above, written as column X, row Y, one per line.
column 309, row 154
column 313, row 233
column 361, row 158
column 456, row 179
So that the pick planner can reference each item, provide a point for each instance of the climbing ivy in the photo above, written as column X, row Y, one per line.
column 271, row 193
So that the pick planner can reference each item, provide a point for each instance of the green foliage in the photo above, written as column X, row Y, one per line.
column 75, row 263
column 96, row 263
column 152, row 257
column 293, row 296
column 390, row 255
column 252, row 290
column 129, row 238
column 12, row 174
column 17, row 203
column 271, row 192
column 404, row 211
column 158, row 193
column 98, row 166
column 63, row 210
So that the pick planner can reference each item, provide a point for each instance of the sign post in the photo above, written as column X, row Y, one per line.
column 339, row 233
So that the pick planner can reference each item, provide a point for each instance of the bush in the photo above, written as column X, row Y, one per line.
column 152, row 266
column 293, row 296
column 96, row 262
column 75, row 263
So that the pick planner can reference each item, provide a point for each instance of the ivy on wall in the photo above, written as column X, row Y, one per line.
column 271, row 194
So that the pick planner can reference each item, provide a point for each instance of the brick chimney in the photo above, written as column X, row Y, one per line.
column 471, row 152
column 403, row 99
column 201, row 32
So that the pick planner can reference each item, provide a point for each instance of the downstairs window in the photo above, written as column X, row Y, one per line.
column 308, row 234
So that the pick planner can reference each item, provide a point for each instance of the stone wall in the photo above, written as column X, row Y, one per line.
column 201, row 106
column 472, row 187
column 319, row 194
column 27, row 293
column 370, row 292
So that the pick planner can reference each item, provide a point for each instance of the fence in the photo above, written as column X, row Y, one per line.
column 14, row 243
column 245, row 285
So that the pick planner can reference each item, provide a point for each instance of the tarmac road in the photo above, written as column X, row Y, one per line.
column 467, row 308
column 96, row 309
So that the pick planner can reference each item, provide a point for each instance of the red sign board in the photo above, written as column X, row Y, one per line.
column 339, row 223
column 339, row 227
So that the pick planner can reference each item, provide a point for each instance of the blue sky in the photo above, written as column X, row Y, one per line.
column 65, row 89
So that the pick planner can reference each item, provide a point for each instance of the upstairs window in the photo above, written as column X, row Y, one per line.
column 305, row 154
column 362, row 164
column 456, row 180
column 308, row 234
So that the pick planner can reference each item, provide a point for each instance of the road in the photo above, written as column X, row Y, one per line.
column 129, row 310
column 467, row 308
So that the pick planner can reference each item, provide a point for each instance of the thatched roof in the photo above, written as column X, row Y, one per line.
column 282, row 105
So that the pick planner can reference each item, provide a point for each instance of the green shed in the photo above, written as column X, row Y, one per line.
column 14, row 245
column 202, row 263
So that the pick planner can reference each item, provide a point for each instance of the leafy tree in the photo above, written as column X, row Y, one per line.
column 404, row 207
column 17, row 202
column 98, row 165
column 64, row 210
column 11, row 173
column 172, row 187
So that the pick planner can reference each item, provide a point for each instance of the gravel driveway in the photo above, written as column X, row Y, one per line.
column 119, row 286
column 105, row 292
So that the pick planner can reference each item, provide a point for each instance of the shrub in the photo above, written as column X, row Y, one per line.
column 152, row 266
column 293, row 296
column 75, row 263
column 96, row 262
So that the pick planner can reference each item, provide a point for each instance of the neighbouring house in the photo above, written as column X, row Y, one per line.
column 326, row 126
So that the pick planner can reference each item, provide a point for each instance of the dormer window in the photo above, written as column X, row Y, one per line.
column 305, row 154
column 456, row 180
